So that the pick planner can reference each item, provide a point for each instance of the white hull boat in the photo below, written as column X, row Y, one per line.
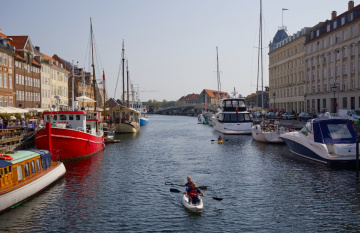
column 195, row 208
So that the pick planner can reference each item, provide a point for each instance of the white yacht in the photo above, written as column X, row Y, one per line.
column 331, row 141
column 232, row 117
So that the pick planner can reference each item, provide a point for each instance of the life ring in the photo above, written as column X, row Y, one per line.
column 88, row 142
column 5, row 157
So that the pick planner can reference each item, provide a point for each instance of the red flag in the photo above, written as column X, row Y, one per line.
column 205, row 105
column 285, row 9
column 236, row 110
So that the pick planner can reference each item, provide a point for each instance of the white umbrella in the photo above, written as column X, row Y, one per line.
column 85, row 99
column 17, row 110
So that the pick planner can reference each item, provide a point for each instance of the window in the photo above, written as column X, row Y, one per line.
column 337, row 38
column 26, row 168
column 32, row 163
column 335, row 24
column 55, row 117
column 345, row 102
column 77, row 117
column 328, row 28
column 38, row 164
column 71, row 117
column 5, row 81
column 10, row 82
column 330, row 40
column 352, row 103
column 352, row 31
column 11, row 102
column 20, row 172
column 63, row 117
column 345, row 34
column 1, row 80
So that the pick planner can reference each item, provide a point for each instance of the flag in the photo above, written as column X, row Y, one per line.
column 285, row 9
column 205, row 105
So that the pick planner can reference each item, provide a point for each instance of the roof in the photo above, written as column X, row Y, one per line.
column 214, row 94
column 18, row 42
column 65, row 112
column 21, row 155
column 281, row 35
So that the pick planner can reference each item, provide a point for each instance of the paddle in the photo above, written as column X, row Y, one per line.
column 178, row 191
column 218, row 140
column 200, row 187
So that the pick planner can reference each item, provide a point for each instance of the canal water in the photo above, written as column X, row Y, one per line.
column 122, row 189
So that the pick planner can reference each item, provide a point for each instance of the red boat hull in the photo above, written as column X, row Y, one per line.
column 71, row 144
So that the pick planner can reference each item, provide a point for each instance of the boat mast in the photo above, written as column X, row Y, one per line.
column 127, row 84
column 218, row 74
column 104, row 91
column 260, row 64
column 123, row 70
column 93, row 66
column 72, row 86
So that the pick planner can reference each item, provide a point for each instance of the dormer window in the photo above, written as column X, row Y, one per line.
column 351, row 16
column 335, row 24
column 317, row 32
column 57, row 63
column 61, row 66
column 343, row 20
column 328, row 28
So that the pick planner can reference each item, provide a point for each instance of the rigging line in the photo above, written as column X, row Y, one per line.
column 87, row 49
column 117, row 80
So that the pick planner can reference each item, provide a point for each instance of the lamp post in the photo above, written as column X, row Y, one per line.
column 274, row 95
column 305, row 109
column 334, row 88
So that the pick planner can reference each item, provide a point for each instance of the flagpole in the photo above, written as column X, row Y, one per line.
column 282, row 18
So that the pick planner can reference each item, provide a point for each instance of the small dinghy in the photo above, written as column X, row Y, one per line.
column 185, row 202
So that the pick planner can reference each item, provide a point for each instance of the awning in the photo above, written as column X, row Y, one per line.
column 12, row 110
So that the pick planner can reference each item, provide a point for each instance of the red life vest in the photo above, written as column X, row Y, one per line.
column 193, row 193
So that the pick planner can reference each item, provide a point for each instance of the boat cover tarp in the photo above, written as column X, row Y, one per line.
column 322, row 134
column 45, row 157
column 4, row 163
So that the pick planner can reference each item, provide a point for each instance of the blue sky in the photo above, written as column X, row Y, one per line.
column 170, row 44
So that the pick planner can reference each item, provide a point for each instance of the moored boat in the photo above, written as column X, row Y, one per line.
column 127, row 120
column 143, row 120
column 269, row 133
column 25, row 173
column 330, row 141
column 74, row 134
column 195, row 208
column 232, row 117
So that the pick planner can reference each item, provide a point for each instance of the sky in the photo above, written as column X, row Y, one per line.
column 170, row 44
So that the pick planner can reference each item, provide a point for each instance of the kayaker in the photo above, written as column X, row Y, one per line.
column 220, row 138
column 188, row 184
column 194, row 192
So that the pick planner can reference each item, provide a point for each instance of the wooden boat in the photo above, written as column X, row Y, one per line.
column 25, row 173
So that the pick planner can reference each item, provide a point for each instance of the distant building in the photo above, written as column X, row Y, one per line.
column 211, row 97
column 254, row 100
column 189, row 99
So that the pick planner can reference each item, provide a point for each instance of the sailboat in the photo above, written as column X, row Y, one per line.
column 74, row 133
column 127, row 120
column 264, row 132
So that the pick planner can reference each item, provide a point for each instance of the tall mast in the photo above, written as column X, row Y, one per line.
column 72, row 86
column 260, row 64
column 127, row 84
column 92, row 64
column 218, row 73
column 104, row 91
column 123, row 71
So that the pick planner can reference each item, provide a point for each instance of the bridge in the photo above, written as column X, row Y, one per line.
column 191, row 110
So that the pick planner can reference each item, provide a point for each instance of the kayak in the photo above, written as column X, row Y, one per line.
column 220, row 141
column 185, row 202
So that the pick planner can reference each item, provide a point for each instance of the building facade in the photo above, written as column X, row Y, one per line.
column 27, row 73
column 286, row 71
column 332, row 52
column 7, row 91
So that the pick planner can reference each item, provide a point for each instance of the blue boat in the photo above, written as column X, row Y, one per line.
column 331, row 141
column 143, row 120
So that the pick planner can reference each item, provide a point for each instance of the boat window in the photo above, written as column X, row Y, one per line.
column 241, row 103
column 63, row 117
column 32, row 163
column 20, row 172
column 233, row 117
column 38, row 164
column 221, row 117
column 226, row 117
column 77, row 117
column 71, row 117
column 55, row 117
column 235, row 103
column 5, row 170
column 9, row 168
column 227, row 103
column 305, row 131
column 1, row 172
column 339, row 131
column 26, row 167
column 247, row 117
column 241, row 117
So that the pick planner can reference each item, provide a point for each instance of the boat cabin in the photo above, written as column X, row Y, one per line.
column 76, row 120
column 230, row 105
column 22, row 166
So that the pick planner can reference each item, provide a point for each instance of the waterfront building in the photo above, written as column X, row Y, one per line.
column 286, row 70
column 54, row 81
column 211, row 97
column 7, row 91
column 189, row 99
column 254, row 100
column 27, row 73
column 332, row 63
column 82, row 81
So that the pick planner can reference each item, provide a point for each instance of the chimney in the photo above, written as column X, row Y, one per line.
column 38, row 48
column 0, row 30
column 351, row 5
column 333, row 15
